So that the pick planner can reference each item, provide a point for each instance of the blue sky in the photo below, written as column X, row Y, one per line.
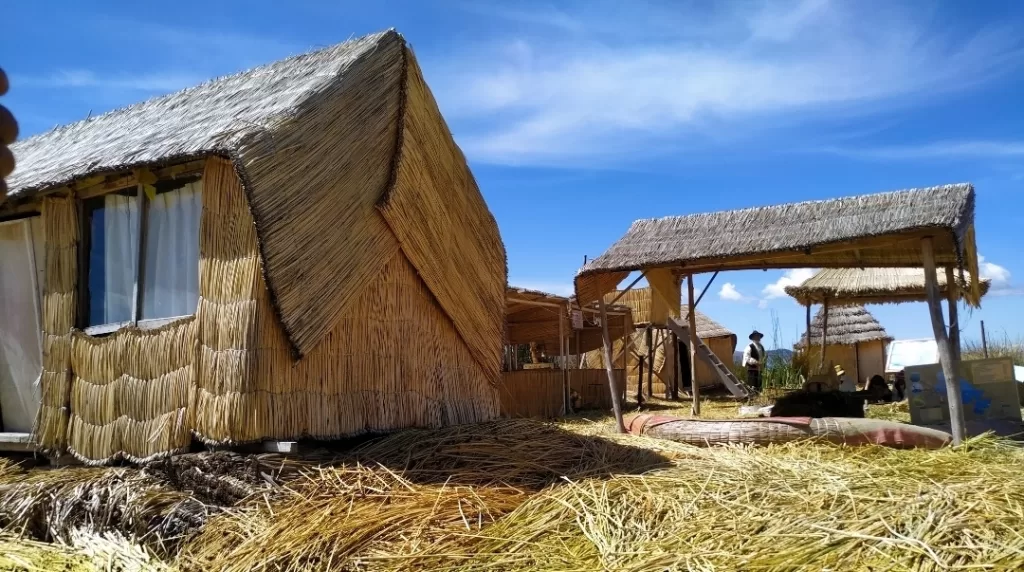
column 578, row 118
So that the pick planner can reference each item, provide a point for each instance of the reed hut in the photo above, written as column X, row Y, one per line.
column 265, row 256
column 854, row 340
column 654, row 345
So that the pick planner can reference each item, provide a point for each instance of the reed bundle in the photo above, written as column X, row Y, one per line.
column 86, row 552
column 59, row 304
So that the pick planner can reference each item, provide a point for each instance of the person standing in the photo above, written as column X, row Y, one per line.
column 754, row 358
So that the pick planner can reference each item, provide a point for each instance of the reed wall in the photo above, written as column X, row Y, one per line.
column 132, row 392
column 532, row 393
column 61, row 235
column 393, row 360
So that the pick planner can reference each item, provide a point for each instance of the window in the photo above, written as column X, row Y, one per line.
column 21, row 353
column 163, row 283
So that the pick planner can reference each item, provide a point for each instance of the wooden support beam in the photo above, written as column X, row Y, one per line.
column 627, row 289
column 931, row 286
column 824, row 335
column 692, row 318
column 705, row 290
column 984, row 340
column 565, row 359
column 650, row 361
column 952, row 298
column 616, row 394
column 640, row 381
column 807, row 319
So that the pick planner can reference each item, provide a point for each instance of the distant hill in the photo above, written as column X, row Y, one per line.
column 773, row 355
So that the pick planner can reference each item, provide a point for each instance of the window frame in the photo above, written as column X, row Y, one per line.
column 85, row 247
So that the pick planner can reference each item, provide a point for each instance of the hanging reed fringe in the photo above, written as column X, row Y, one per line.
column 132, row 393
column 61, row 232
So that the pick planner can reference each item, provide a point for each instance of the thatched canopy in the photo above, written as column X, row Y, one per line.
column 847, row 325
column 639, row 301
column 533, row 316
column 879, row 230
column 340, row 151
column 843, row 286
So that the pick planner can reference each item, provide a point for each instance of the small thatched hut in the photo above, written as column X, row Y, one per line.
column 856, row 341
column 717, row 337
column 841, row 286
column 268, row 255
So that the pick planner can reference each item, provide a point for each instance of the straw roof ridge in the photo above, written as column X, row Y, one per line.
column 847, row 325
column 873, row 285
column 209, row 118
column 771, row 229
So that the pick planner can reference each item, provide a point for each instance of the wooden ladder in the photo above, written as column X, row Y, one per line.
column 725, row 374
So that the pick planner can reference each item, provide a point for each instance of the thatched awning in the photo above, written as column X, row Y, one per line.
column 847, row 325
column 533, row 317
column 845, row 286
column 869, row 231
column 340, row 151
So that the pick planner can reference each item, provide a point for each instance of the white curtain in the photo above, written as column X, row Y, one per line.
column 170, row 285
column 112, row 260
column 20, row 325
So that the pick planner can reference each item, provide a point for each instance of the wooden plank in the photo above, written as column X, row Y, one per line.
column 692, row 318
column 931, row 282
column 650, row 361
column 561, row 353
column 616, row 394
column 952, row 297
column 15, row 442
column 824, row 335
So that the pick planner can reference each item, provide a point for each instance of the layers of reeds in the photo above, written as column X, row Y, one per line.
column 444, row 226
column 59, row 305
column 392, row 360
column 132, row 393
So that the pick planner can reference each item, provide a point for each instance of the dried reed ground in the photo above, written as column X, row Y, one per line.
column 493, row 497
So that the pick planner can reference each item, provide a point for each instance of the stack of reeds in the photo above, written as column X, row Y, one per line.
column 61, row 232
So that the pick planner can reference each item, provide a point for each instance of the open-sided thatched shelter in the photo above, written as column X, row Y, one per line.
column 928, row 228
column 841, row 286
column 855, row 341
column 268, row 255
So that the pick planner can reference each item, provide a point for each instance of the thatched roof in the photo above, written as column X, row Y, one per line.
column 879, row 230
column 340, row 151
column 870, row 286
column 847, row 325
column 639, row 300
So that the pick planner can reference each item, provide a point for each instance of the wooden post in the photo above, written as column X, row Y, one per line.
column 931, row 286
column 650, row 361
column 565, row 359
column 672, row 390
column 824, row 334
column 640, row 381
column 952, row 298
column 616, row 395
column 808, row 334
column 692, row 318
column 984, row 341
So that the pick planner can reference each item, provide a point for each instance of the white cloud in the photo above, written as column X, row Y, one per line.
column 1000, row 277
column 594, row 96
column 730, row 293
column 935, row 150
column 795, row 277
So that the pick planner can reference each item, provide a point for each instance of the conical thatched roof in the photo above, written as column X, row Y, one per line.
column 871, row 286
column 340, row 151
column 847, row 325
column 878, row 230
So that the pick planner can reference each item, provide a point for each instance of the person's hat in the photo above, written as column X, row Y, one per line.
column 840, row 370
column 756, row 334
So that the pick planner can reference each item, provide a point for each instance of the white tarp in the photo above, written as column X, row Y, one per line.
column 903, row 353
column 1018, row 373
